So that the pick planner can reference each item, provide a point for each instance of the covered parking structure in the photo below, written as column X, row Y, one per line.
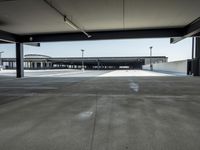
column 98, row 113
column 32, row 21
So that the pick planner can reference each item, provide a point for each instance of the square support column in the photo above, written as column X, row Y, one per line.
column 19, row 60
column 196, row 60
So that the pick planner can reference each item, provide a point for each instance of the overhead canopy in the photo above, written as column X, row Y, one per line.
column 34, row 20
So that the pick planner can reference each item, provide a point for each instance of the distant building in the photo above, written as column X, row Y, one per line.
column 35, row 61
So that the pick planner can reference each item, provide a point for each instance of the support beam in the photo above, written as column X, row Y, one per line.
column 176, row 40
column 104, row 35
column 193, row 29
column 197, row 35
column 19, row 60
column 6, row 37
column 33, row 44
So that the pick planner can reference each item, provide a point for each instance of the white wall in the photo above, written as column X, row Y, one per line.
column 175, row 66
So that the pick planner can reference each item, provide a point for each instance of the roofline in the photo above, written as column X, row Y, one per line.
column 135, row 57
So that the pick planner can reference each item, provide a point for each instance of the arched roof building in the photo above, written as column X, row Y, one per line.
column 38, row 61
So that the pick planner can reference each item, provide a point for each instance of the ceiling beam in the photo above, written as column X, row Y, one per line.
column 193, row 28
column 175, row 39
column 104, row 35
column 33, row 44
column 6, row 37
column 197, row 35
column 190, row 30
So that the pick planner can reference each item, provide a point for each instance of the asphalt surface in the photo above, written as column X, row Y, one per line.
column 100, row 113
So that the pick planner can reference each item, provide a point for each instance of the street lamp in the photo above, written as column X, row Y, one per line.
column 151, row 66
column 82, row 59
column 1, row 66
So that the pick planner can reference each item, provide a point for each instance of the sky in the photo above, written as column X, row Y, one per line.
column 106, row 48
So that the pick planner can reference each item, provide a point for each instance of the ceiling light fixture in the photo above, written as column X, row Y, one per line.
column 67, row 20
column 74, row 26
column 70, row 23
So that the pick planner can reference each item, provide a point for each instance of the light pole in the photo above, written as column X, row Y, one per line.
column 82, row 59
column 1, row 66
column 151, row 66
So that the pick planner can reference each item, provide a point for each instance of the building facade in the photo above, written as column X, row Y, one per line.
column 35, row 61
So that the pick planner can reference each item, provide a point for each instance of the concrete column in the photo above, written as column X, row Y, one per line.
column 14, row 65
column 196, row 61
column 24, row 64
column 29, row 65
column 41, row 65
column 19, row 60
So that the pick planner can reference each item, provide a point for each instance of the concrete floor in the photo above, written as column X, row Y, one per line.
column 100, row 113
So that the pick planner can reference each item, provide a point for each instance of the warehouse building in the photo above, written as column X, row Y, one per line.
column 36, row 61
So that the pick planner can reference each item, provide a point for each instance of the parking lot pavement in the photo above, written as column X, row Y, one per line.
column 100, row 113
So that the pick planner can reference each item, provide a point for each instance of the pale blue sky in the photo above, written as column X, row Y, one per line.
column 133, row 47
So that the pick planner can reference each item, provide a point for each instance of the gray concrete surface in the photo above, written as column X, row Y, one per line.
column 107, row 113
column 179, row 67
